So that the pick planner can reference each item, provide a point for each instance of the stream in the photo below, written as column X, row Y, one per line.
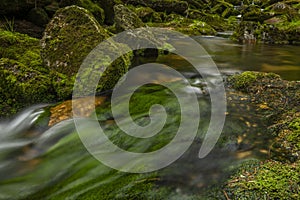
column 37, row 162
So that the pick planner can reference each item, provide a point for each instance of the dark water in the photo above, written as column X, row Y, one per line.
column 52, row 163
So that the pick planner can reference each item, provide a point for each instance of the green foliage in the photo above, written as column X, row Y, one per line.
column 10, row 24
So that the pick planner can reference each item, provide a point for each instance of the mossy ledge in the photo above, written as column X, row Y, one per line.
column 278, row 101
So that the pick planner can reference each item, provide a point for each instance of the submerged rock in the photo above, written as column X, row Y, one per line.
column 69, row 37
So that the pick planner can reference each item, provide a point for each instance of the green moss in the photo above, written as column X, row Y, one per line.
column 22, row 86
column 244, row 80
column 186, row 26
column 268, row 180
column 286, row 147
column 144, row 13
column 70, row 36
column 22, row 48
column 94, row 8
column 126, row 19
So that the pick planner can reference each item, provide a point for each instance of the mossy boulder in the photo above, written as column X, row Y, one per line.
column 22, row 48
column 168, row 6
column 94, row 8
column 38, row 16
column 108, row 7
column 69, row 37
column 21, row 86
column 125, row 19
column 197, row 28
column 145, row 13
column 188, row 26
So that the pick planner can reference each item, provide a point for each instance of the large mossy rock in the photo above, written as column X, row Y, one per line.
column 69, row 37
column 94, row 8
column 125, row 19
column 22, row 86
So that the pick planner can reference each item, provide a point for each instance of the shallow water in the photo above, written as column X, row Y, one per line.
column 37, row 161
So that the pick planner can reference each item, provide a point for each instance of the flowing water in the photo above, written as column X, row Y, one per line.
column 41, row 162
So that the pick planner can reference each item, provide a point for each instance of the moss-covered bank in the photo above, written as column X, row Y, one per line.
column 278, row 177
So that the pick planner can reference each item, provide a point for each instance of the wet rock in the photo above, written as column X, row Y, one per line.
column 69, row 37
column 125, row 19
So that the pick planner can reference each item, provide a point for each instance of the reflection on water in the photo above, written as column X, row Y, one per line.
column 231, row 57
